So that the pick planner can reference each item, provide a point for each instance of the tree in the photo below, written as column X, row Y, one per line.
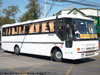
column 33, row 11
column 10, row 13
column 6, row 20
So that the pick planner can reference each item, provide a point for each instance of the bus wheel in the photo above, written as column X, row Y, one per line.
column 16, row 50
column 57, row 55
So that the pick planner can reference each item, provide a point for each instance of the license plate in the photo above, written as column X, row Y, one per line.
column 90, row 53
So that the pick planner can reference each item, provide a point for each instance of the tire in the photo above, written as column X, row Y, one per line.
column 57, row 55
column 16, row 50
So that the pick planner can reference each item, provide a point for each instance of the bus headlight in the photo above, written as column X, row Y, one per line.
column 80, row 49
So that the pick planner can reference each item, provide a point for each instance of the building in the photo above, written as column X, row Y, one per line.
column 85, row 12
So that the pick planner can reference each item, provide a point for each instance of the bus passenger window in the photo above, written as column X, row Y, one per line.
column 37, row 27
column 23, row 29
column 9, row 31
column 26, row 29
column 20, row 30
column 13, row 30
column 4, row 31
column 31, row 28
column 43, row 26
column 47, row 28
column 51, row 25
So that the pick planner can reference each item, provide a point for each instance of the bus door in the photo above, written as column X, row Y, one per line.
column 63, row 30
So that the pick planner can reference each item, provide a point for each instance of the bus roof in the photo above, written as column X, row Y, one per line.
column 45, row 19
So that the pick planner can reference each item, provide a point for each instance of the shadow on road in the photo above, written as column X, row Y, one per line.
column 79, row 61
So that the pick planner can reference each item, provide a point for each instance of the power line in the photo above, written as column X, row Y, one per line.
column 87, row 1
column 52, row 5
column 79, row 3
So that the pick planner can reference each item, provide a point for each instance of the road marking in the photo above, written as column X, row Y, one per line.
column 33, row 68
column 14, row 70
column 25, row 73
column 69, row 70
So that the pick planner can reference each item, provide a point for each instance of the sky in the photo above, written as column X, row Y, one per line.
column 56, row 7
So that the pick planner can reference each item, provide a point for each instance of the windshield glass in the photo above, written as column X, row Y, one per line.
column 85, row 29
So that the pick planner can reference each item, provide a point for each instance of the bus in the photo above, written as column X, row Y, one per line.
column 58, row 37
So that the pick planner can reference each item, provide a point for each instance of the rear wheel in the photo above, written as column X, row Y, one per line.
column 16, row 50
column 57, row 55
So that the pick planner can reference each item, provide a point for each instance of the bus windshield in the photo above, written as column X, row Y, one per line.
column 85, row 29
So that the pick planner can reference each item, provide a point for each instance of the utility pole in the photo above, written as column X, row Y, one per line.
column 45, row 5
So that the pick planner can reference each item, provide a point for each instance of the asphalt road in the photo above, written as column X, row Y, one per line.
column 25, row 64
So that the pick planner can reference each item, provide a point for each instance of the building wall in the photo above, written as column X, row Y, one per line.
column 76, row 13
column 65, row 12
column 89, row 12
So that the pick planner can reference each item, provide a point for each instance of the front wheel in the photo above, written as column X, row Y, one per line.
column 57, row 55
column 16, row 50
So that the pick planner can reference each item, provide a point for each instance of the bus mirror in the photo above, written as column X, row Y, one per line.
column 77, row 35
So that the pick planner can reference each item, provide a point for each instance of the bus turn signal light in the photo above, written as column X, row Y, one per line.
column 78, row 49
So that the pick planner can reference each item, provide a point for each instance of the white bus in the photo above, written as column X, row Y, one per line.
column 59, row 37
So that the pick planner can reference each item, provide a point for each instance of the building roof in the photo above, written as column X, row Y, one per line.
column 79, row 10
column 76, row 10
column 88, row 8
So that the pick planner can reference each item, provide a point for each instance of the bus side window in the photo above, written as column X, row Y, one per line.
column 51, row 26
column 44, row 26
column 9, row 31
column 20, row 31
column 31, row 28
column 4, row 31
column 26, row 29
column 13, row 30
column 37, row 27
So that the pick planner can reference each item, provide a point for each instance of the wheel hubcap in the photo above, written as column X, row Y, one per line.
column 16, row 50
column 58, row 55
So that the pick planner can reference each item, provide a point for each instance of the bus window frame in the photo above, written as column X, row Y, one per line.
column 40, row 27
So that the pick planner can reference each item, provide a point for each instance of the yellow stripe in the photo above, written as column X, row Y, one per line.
column 69, row 70
column 83, row 36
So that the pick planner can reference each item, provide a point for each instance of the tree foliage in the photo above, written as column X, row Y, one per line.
column 10, row 11
column 9, row 15
column 33, row 11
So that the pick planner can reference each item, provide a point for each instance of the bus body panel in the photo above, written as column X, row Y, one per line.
column 40, row 44
column 87, row 49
